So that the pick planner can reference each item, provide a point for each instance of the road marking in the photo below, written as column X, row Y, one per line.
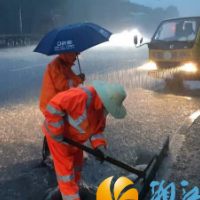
column 24, row 68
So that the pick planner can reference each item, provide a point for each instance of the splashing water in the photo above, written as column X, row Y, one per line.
column 151, row 116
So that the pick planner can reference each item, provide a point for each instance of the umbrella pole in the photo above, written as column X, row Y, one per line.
column 79, row 64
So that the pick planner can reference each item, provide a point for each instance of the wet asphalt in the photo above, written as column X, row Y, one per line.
column 153, row 113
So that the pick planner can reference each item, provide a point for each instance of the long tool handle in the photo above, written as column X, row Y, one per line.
column 113, row 161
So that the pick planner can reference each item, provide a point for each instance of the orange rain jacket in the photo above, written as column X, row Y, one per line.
column 76, row 114
column 58, row 77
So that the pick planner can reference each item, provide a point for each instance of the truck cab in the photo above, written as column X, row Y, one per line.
column 175, row 49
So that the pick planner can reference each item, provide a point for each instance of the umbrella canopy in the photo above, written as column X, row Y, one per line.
column 72, row 39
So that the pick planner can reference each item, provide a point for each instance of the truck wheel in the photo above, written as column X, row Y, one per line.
column 10, row 42
column 27, row 41
column 175, row 85
column 18, row 42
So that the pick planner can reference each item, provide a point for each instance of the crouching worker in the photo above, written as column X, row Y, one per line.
column 79, row 114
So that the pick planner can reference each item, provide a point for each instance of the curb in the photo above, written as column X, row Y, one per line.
column 176, row 142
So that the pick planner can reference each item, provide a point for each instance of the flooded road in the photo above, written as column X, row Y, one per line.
column 153, row 113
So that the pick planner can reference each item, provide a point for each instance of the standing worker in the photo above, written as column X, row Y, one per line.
column 79, row 114
column 58, row 77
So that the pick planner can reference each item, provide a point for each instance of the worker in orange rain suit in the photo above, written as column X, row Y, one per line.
column 79, row 114
column 57, row 78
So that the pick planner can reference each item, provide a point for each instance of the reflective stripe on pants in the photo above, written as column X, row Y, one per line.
column 66, row 159
column 70, row 197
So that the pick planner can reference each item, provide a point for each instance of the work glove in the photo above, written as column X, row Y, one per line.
column 82, row 76
column 102, row 153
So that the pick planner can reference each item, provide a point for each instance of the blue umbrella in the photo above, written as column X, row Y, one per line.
column 72, row 39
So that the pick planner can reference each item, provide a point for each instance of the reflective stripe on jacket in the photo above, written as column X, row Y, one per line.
column 76, row 114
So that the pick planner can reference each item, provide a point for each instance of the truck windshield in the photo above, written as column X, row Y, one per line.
column 181, row 30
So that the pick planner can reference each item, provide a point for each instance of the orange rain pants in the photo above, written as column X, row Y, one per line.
column 78, row 115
